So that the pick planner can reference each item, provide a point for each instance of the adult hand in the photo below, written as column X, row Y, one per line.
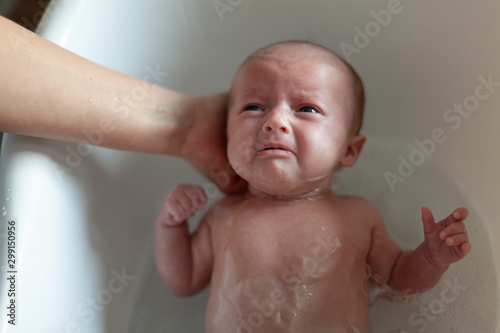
column 205, row 143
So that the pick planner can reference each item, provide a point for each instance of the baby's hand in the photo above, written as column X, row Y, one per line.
column 184, row 201
column 447, row 241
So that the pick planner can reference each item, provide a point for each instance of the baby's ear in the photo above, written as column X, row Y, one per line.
column 353, row 150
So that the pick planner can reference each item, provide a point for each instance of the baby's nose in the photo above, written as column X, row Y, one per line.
column 277, row 123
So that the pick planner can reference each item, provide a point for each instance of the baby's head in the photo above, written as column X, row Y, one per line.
column 295, row 110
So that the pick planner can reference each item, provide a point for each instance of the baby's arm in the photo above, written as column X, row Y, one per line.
column 414, row 271
column 184, row 261
column 445, row 242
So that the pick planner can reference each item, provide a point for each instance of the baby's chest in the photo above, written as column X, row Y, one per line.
column 305, row 237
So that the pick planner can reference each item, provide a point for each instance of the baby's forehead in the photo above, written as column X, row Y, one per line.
column 290, row 52
column 300, row 58
column 260, row 72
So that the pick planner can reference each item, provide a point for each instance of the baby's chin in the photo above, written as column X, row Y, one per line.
column 283, row 179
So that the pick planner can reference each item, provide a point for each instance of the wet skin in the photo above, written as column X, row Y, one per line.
column 292, row 266
column 289, row 255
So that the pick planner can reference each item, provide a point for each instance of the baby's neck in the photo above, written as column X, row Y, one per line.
column 314, row 194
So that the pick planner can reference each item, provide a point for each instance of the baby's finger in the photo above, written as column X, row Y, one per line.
column 457, row 239
column 428, row 220
column 458, row 215
column 198, row 197
column 464, row 250
column 455, row 228
column 185, row 205
column 171, row 211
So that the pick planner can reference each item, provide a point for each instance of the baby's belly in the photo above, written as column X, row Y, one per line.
column 317, row 291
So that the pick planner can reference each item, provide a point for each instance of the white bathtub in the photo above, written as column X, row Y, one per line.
column 84, row 219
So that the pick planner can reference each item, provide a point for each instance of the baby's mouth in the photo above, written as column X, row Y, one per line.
column 275, row 148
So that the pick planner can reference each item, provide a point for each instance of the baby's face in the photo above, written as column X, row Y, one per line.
column 289, row 127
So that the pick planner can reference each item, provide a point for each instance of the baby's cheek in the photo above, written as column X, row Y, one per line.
column 322, row 146
column 237, row 159
column 237, row 166
column 322, row 160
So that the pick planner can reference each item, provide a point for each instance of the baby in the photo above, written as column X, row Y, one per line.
column 289, row 255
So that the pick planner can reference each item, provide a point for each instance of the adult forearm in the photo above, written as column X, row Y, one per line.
column 47, row 91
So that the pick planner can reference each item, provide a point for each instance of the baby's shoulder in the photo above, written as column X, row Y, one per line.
column 359, row 207
column 225, row 204
column 229, row 200
column 354, row 201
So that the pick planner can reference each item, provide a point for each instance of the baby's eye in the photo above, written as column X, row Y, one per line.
column 308, row 109
column 252, row 107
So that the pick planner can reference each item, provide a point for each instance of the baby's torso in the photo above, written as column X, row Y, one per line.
column 289, row 267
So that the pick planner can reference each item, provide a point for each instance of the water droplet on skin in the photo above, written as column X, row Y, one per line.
column 307, row 293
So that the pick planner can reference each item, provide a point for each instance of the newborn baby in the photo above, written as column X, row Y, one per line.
column 290, row 255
